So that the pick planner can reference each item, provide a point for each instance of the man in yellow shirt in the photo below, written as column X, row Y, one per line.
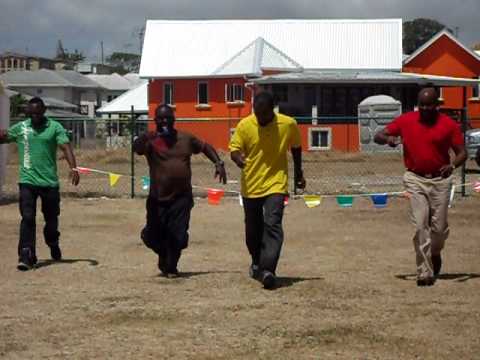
column 259, row 147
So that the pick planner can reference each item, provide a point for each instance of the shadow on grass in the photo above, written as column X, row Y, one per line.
column 45, row 263
column 285, row 281
column 459, row 277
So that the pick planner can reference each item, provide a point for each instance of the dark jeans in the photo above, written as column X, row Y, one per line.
column 50, row 197
column 263, row 229
column 166, row 232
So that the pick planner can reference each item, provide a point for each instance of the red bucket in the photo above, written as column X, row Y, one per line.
column 214, row 196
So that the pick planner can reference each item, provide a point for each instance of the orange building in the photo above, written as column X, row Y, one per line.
column 446, row 55
column 318, row 81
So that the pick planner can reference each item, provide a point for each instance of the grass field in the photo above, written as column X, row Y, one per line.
column 348, row 289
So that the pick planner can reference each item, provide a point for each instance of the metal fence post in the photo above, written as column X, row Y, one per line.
column 132, row 159
column 464, row 129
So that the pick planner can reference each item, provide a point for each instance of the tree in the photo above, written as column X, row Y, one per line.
column 69, row 58
column 18, row 105
column 418, row 31
column 124, row 62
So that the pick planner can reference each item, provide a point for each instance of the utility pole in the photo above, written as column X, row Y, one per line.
column 101, row 46
column 140, row 37
column 457, row 29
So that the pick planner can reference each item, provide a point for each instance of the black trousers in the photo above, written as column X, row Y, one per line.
column 263, row 229
column 166, row 232
column 50, row 197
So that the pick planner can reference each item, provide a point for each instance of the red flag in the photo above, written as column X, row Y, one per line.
column 83, row 170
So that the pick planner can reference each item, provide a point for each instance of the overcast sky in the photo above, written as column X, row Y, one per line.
column 36, row 25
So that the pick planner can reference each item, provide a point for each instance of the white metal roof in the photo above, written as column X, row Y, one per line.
column 113, row 81
column 364, row 77
column 47, row 78
column 258, row 55
column 197, row 48
column 136, row 97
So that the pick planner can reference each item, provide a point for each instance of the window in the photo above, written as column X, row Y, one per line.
column 168, row 93
column 109, row 98
column 15, row 63
column 280, row 93
column 234, row 92
column 319, row 138
column 202, row 95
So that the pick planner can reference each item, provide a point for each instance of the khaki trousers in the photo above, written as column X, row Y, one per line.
column 429, row 200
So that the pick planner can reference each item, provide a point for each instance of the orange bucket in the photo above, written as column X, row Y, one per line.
column 214, row 196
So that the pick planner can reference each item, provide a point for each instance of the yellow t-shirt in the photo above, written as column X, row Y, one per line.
column 265, row 149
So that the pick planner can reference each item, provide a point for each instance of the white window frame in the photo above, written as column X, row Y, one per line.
column 311, row 130
column 198, row 93
column 172, row 94
column 238, row 93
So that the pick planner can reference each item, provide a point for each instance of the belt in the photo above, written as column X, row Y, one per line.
column 427, row 176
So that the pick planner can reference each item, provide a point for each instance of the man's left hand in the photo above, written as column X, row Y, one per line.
column 75, row 176
column 220, row 173
column 446, row 170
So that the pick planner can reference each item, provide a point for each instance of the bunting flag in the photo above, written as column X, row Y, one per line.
column 83, row 170
column 476, row 186
column 114, row 179
column 214, row 196
column 240, row 200
column 145, row 182
column 379, row 200
column 345, row 201
column 285, row 200
column 312, row 201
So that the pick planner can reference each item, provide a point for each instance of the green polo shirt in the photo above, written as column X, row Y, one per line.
column 37, row 151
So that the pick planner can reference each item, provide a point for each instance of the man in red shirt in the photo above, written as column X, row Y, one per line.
column 427, row 137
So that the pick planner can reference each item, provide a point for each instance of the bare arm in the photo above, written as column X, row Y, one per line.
column 383, row 137
column 3, row 136
column 460, row 158
column 140, row 145
column 238, row 158
column 212, row 154
column 68, row 152
column 297, row 167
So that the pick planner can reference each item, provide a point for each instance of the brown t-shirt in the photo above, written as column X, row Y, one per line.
column 169, row 162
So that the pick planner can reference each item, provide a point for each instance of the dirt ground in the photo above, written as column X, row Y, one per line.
column 348, row 289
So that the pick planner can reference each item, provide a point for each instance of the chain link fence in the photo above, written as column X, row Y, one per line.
column 104, row 144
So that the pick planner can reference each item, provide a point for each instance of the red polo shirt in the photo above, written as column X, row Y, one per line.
column 425, row 147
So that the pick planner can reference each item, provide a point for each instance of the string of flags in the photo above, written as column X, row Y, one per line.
column 214, row 196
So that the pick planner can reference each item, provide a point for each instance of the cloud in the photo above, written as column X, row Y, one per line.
column 37, row 25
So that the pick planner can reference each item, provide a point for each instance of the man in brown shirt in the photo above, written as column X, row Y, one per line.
column 170, row 201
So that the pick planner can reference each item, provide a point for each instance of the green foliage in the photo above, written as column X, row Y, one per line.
column 417, row 32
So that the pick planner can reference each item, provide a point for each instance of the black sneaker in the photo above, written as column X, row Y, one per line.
column 161, row 266
column 437, row 264
column 26, row 260
column 269, row 280
column 56, row 253
column 425, row 282
column 254, row 271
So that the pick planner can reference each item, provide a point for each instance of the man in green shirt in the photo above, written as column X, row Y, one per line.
column 37, row 139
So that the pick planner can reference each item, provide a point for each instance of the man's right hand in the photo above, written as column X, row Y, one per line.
column 238, row 158
column 3, row 135
column 392, row 141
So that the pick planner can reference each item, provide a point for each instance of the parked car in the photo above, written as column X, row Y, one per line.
column 472, row 142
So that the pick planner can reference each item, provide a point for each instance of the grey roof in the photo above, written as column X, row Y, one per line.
column 47, row 78
column 257, row 55
column 112, row 82
column 364, row 77
column 52, row 103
